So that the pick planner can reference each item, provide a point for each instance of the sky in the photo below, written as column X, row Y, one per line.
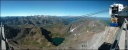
column 58, row 8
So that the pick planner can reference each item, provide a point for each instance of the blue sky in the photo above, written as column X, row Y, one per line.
column 59, row 8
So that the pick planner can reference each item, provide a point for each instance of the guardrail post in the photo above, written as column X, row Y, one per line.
column 0, row 37
column 126, row 36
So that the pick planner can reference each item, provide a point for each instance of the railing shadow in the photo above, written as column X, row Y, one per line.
column 105, row 46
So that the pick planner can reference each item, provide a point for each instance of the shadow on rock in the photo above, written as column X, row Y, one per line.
column 105, row 46
column 46, row 34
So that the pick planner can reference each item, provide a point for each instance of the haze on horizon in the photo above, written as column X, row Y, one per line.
column 57, row 8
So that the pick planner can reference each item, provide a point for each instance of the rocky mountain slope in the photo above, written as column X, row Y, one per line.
column 36, row 32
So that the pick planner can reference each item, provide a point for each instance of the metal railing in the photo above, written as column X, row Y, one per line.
column 116, row 42
column 115, row 45
column 4, row 39
column 126, row 39
column 0, row 37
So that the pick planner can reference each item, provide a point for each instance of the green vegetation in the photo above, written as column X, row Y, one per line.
column 27, row 41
